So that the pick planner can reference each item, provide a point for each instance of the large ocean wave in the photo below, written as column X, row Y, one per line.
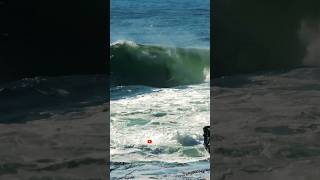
column 158, row 66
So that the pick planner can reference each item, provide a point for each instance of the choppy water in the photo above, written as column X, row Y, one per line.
column 173, row 117
column 167, row 22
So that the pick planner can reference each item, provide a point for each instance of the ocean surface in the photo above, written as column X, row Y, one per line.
column 160, row 88
column 168, row 22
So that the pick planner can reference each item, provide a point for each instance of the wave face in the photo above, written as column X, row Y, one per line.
column 136, row 64
column 20, row 100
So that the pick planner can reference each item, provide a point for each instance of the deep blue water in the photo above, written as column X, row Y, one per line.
column 181, row 23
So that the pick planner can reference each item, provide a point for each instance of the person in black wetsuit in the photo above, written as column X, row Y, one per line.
column 206, row 138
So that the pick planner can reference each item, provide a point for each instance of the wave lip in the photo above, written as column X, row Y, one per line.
column 158, row 66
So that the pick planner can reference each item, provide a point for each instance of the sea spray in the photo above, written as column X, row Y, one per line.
column 253, row 36
column 310, row 36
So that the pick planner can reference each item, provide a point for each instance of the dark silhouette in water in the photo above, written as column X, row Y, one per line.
column 251, row 35
column 206, row 138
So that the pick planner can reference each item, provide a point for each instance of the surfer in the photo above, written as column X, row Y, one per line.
column 206, row 138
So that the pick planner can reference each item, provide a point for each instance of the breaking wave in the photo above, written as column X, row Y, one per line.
column 158, row 66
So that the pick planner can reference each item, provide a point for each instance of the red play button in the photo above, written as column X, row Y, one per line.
column 149, row 141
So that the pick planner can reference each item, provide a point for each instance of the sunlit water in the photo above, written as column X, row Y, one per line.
column 179, row 23
column 172, row 118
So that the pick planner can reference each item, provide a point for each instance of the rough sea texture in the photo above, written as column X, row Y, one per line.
column 54, row 128
column 167, row 105
column 267, row 125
